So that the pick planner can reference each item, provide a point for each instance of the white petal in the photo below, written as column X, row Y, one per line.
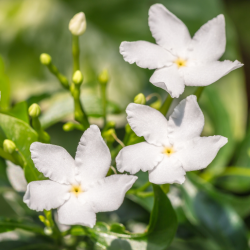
column 205, row 74
column 169, row 79
column 145, row 54
column 168, row 30
column 141, row 156
column 187, row 120
column 46, row 194
column 198, row 153
column 16, row 177
column 108, row 194
column 148, row 122
column 209, row 42
column 73, row 212
column 92, row 157
column 53, row 161
column 168, row 171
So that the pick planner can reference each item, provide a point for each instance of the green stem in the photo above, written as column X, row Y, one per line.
column 62, row 79
column 42, row 135
column 104, row 102
column 79, row 113
column 198, row 92
column 56, row 232
column 75, row 52
column 166, row 105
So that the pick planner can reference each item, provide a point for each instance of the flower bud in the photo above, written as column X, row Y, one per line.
column 108, row 135
column 45, row 59
column 34, row 110
column 77, row 77
column 77, row 24
column 156, row 104
column 9, row 146
column 140, row 99
column 103, row 77
column 69, row 126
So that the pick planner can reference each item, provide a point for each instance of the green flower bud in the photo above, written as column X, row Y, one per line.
column 69, row 126
column 108, row 135
column 48, row 231
column 140, row 99
column 103, row 78
column 110, row 124
column 78, row 24
column 34, row 110
column 77, row 77
column 156, row 104
column 45, row 59
column 9, row 146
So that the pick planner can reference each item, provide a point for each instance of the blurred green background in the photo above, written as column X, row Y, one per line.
column 31, row 27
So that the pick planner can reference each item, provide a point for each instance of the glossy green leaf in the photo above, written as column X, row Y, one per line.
column 214, row 107
column 12, row 224
column 20, row 111
column 237, row 180
column 22, row 135
column 214, row 219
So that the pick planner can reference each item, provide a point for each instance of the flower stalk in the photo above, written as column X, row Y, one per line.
column 166, row 105
column 47, row 61
column 75, row 89
column 75, row 53
column 103, row 81
column 34, row 112
column 198, row 92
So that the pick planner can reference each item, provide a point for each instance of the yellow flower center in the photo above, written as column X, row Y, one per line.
column 76, row 189
column 180, row 62
column 168, row 151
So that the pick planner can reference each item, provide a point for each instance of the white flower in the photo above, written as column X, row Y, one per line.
column 78, row 188
column 78, row 24
column 180, row 60
column 172, row 146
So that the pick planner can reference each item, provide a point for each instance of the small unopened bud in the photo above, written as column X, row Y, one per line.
column 140, row 99
column 34, row 110
column 9, row 146
column 108, row 135
column 77, row 77
column 48, row 230
column 69, row 126
column 78, row 24
column 156, row 104
column 45, row 59
column 103, row 77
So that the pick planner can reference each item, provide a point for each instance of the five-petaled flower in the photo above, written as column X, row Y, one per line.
column 180, row 60
column 78, row 188
column 172, row 146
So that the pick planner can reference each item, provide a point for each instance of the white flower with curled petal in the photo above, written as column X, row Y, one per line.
column 78, row 188
column 172, row 146
column 180, row 60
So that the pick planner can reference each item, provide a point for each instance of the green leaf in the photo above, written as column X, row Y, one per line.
column 12, row 224
column 214, row 107
column 163, row 221
column 22, row 135
column 237, row 180
column 214, row 218
column 4, row 88
column 20, row 111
